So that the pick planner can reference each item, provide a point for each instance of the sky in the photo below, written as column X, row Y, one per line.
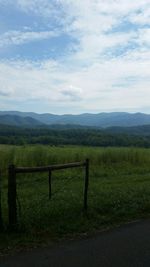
column 75, row 56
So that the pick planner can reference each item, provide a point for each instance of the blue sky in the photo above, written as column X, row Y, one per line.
column 73, row 56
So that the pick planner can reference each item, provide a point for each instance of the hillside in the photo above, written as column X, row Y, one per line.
column 73, row 136
column 15, row 120
column 143, row 130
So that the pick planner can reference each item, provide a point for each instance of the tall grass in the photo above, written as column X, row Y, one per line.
column 41, row 155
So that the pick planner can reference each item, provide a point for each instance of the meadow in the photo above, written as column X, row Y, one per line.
column 119, row 191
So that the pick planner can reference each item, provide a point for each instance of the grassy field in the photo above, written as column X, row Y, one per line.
column 119, row 191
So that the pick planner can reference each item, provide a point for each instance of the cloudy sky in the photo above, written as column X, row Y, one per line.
column 75, row 56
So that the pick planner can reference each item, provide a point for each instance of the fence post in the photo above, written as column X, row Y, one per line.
column 12, row 207
column 1, row 219
column 86, row 183
column 50, row 183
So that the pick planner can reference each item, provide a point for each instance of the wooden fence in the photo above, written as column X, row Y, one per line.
column 12, row 189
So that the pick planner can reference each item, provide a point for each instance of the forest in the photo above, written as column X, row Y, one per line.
column 76, row 135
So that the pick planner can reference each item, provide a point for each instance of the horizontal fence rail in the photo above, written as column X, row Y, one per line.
column 12, row 191
column 49, row 168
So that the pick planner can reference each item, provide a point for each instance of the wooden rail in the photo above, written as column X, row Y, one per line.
column 49, row 168
column 12, row 191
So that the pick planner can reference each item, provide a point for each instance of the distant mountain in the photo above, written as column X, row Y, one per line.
column 44, row 118
column 15, row 120
column 104, row 120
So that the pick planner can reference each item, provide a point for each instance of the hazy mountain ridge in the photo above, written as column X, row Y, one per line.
column 14, row 120
column 121, row 119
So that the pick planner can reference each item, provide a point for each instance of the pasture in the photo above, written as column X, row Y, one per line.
column 119, row 191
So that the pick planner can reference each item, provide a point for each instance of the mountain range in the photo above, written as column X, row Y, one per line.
column 100, row 120
column 14, row 120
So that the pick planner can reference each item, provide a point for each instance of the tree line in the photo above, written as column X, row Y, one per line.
column 67, row 136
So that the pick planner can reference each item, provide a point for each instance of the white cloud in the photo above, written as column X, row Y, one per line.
column 118, row 83
column 71, row 93
column 143, row 17
column 90, row 20
column 144, row 37
column 19, row 37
